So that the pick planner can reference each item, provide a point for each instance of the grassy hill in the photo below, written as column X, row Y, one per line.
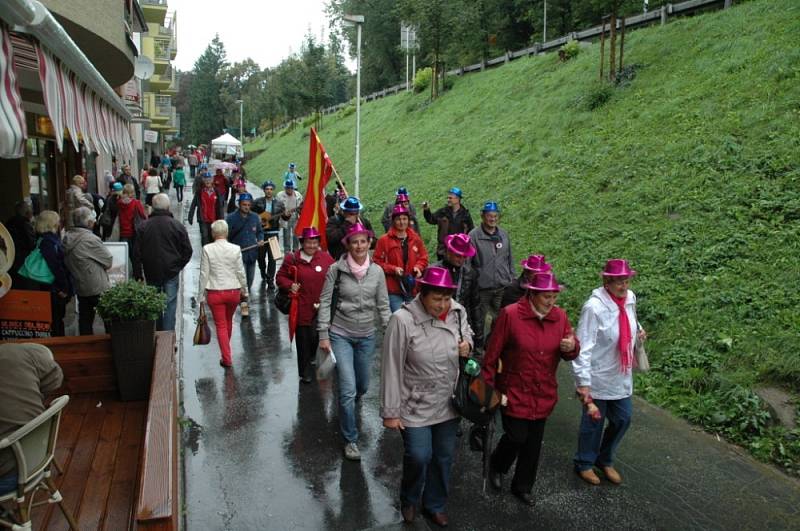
column 690, row 169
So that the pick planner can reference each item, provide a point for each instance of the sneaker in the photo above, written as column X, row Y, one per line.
column 245, row 310
column 351, row 452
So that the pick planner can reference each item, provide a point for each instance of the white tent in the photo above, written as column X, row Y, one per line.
column 227, row 144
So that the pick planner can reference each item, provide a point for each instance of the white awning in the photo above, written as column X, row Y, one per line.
column 13, row 130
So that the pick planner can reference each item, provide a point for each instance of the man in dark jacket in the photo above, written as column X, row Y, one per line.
column 20, row 225
column 349, row 214
column 126, row 178
column 244, row 230
column 269, row 210
column 161, row 252
column 456, row 260
column 451, row 219
column 535, row 263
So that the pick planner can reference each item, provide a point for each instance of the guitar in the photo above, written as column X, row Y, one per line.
column 266, row 218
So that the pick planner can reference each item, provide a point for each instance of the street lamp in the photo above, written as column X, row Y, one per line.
column 357, row 21
column 241, row 109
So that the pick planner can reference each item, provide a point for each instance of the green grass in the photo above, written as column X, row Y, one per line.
column 690, row 171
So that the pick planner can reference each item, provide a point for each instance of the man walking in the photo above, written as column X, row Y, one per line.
column 453, row 218
column 126, row 178
column 269, row 210
column 337, row 228
column 494, row 263
column 292, row 203
column 244, row 230
column 291, row 173
column 162, row 251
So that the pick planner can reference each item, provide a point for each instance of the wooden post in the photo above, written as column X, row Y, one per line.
column 728, row 4
column 663, row 15
column 602, row 45
column 621, row 44
column 612, row 48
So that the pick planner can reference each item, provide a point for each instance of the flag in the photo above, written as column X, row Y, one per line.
column 314, row 212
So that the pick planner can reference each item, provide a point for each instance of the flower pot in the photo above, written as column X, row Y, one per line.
column 132, row 349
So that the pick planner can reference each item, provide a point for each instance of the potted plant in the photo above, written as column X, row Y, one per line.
column 130, row 310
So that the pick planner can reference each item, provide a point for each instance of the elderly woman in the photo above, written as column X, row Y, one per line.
column 49, row 243
column 529, row 339
column 420, row 367
column 354, row 291
column 607, row 331
column 402, row 255
column 88, row 261
column 223, row 284
column 131, row 213
column 535, row 263
column 303, row 272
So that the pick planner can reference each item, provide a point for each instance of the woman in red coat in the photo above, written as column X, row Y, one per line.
column 402, row 255
column 312, row 265
column 528, row 340
column 129, row 209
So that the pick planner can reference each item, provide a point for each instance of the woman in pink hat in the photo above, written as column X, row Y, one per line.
column 402, row 256
column 535, row 263
column 607, row 330
column 420, row 366
column 528, row 340
column 458, row 251
column 311, row 264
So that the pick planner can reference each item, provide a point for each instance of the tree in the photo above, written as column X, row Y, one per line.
column 207, row 113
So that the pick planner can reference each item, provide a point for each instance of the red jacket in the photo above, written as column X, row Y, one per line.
column 389, row 256
column 209, row 207
column 127, row 211
column 221, row 186
column 528, row 348
column 310, row 276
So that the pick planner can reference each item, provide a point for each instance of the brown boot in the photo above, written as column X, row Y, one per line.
column 589, row 476
column 612, row 475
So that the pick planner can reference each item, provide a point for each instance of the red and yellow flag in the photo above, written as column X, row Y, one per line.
column 314, row 212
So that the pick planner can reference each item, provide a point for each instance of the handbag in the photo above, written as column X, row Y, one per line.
column 202, row 332
column 639, row 352
column 35, row 267
column 283, row 298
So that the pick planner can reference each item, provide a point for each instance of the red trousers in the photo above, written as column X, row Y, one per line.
column 223, row 303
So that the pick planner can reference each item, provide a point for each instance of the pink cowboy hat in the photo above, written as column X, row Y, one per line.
column 459, row 244
column 400, row 210
column 437, row 277
column 537, row 264
column 310, row 232
column 358, row 228
column 401, row 198
column 617, row 267
column 543, row 282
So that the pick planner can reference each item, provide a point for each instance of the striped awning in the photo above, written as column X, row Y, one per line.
column 12, row 117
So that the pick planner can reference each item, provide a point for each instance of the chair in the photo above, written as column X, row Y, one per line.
column 33, row 446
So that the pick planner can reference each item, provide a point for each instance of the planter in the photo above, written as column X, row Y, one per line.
column 132, row 348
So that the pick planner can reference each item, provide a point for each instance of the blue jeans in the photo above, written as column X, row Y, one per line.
column 290, row 241
column 8, row 483
column 396, row 301
column 170, row 287
column 353, row 363
column 249, row 272
column 427, row 460
column 597, row 446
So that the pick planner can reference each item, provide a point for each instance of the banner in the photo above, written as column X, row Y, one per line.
column 25, row 315
column 314, row 213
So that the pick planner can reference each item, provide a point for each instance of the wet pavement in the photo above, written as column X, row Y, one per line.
column 262, row 451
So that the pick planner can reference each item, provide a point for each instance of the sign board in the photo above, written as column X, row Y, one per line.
column 25, row 314
column 119, row 271
column 150, row 136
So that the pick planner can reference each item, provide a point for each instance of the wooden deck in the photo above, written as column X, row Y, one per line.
column 99, row 448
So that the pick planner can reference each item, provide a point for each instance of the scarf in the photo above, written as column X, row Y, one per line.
column 625, row 350
column 359, row 271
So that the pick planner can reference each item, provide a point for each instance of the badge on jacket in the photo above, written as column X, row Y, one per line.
column 318, row 269
column 499, row 245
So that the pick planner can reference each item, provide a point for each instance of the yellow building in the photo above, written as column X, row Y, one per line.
column 160, row 45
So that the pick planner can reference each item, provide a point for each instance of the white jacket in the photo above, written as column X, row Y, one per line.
column 153, row 184
column 221, row 267
column 598, row 364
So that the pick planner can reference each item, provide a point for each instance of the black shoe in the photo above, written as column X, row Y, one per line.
column 525, row 497
column 409, row 512
column 306, row 380
column 495, row 479
column 270, row 285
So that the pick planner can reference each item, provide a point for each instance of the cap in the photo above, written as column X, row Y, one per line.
column 456, row 191
column 490, row 206
column 288, row 183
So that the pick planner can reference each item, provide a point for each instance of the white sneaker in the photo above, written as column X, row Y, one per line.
column 351, row 452
column 245, row 310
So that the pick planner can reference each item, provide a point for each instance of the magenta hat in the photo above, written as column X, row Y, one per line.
column 617, row 267
column 459, row 244
column 543, row 282
column 400, row 210
column 537, row 264
column 358, row 228
column 437, row 277
column 310, row 232
column 400, row 198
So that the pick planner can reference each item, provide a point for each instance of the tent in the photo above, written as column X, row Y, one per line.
column 227, row 144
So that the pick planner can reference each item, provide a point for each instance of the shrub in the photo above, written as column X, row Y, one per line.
column 569, row 50
column 131, row 301
column 597, row 96
column 423, row 79
column 346, row 111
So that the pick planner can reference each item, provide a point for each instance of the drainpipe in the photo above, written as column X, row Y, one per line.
column 30, row 16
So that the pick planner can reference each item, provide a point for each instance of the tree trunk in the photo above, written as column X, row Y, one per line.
column 602, row 46
column 621, row 43
column 612, row 52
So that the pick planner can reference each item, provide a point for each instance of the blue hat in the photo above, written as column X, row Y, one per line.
column 351, row 204
column 244, row 196
column 291, row 164
column 490, row 206
column 267, row 183
column 203, row 166
column 288, row 183
column 206, row 175
column 117, row 187
column 455, row 191
column 402, row 191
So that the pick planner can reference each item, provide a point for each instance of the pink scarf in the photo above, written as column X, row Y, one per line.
column 359, row 271
column 625, row 354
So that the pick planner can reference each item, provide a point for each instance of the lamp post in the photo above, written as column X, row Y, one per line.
column 357, row 21
column 241, row 114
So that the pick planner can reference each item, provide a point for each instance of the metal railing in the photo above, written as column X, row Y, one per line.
column 154, row 2
column 161, row 48
column 163, row 105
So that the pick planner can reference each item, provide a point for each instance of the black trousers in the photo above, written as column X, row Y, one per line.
column 179, row 192
column 86, row 311
column 58, row 309
column 266, row 264
column 521, row 442
column 307, row 340
column 205, row 233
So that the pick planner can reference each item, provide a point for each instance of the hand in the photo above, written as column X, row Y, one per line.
column 398, row 271
column 325, row 344
column 463, row 349
column 641, row 335
column 393, row 424
column 417, row 272
column 243, row 293
column 295, row 287
column 425, row 205
column 503, row 400
column 568, row 343
column 62, row 294
column 584, row 391
column 261, row 243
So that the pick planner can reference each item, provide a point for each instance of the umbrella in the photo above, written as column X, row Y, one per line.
column 295, row 306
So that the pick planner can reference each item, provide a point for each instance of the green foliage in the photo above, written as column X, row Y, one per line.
column 344, row 112
column 423, row 79
column 570, row 50
column 131, row 301
column 207, row 110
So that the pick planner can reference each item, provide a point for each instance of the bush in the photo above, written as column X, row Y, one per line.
column 131, row 301
column 346, row 111
column 423, row 79
column 310, row 120
column 569, row 50
column 597, row 96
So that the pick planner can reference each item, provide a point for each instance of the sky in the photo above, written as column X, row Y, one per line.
column 267, row 31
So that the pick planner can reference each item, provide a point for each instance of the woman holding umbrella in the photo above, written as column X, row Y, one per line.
column 303, row 274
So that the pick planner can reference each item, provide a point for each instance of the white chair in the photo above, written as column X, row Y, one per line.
column 33, row 446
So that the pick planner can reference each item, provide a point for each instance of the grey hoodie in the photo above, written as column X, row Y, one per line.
column 359, row 300
column 88, row 261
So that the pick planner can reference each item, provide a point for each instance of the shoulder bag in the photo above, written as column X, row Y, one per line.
column 35, row 266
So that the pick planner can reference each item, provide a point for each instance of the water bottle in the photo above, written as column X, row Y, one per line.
column 472, row 368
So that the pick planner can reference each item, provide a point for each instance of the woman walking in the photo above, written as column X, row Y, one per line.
column 354, row 291
column 420, row 366
column 402, row 256
column 303, row 272
column 152, row 185
column 607, row 330
column 528, row 340
column 131, row 212
column 223, row 285
column 179, row 178
column 52, row 250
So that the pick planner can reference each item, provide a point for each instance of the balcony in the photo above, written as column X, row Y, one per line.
column 154, row 10
column 158, row 49
column 164, row 81
column 170, row 29
column 155, row 108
